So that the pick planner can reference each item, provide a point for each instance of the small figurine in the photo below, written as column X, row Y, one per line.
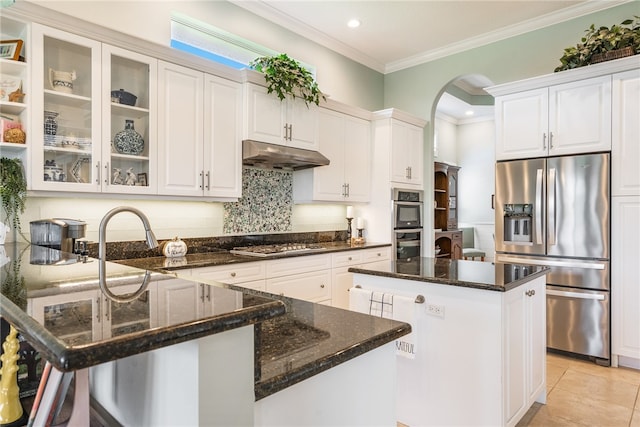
column 117, row 176
column 17, row 95
column 131, row 177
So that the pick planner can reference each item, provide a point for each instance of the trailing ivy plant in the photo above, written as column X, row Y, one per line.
column 13, row 283
column 286, row 77
column 602, row 40
column 13, row 188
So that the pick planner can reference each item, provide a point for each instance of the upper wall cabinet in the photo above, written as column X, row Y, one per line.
column 288, row 122
column 15, row 79
column 66, row 105
column 346, row 141
column 625, row 151
column 398, row 148
column 199, row 133
column 129, row 122
column 562, row 119
column 94, row 116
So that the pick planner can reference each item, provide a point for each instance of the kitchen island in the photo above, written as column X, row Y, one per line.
column 150, row 366
column 480, row 339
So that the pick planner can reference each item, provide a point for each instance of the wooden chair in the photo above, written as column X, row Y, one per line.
column 468, row 245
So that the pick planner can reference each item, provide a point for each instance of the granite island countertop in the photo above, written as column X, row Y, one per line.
column 294, row 339
column 470, row 274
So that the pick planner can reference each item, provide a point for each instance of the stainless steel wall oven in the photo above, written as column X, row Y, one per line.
column 407, row 223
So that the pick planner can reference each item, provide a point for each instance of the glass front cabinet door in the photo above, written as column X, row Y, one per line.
column 93, row 131
column 66, row 111
column 128, row 122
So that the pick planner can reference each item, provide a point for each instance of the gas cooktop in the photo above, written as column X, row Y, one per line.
column 279, row 249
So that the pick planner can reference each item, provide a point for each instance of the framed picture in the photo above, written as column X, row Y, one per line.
column 142, row 179
column 10, row 49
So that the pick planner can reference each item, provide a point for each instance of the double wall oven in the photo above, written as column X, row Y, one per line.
column 407, row 223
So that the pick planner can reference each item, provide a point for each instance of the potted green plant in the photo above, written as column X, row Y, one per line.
column 13, row 189
column 602, row 44
column 286, row 77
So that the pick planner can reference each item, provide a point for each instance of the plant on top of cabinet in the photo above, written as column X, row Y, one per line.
column 286, row 76
column 603, row 44
column 13, row 188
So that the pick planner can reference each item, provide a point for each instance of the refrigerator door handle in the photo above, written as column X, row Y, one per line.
column 578, row 295
column 551, row 220
column 551, row 263
column 538, row 208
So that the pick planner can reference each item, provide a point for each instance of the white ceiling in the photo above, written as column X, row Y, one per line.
column 394, row 35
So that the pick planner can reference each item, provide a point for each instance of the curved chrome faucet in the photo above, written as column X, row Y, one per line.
column 152, row 242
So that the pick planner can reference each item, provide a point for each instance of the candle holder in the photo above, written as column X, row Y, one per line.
column 360, row 240
column 349, row 229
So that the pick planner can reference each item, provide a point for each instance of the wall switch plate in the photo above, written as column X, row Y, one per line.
column 435, row 310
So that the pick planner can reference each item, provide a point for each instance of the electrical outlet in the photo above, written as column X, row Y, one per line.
column 435, row 310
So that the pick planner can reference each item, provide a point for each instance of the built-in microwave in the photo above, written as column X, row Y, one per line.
column 407, row 208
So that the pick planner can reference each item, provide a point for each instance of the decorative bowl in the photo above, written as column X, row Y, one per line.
column 123, row 97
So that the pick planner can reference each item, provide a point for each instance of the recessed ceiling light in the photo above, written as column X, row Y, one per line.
column 469, row 112
column 353, row 23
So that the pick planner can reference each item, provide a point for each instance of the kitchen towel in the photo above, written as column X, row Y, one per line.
column 389, row 306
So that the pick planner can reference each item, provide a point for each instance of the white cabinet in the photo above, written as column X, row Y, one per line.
column 525, row 358
column 248, row 275
column 305, row 277
column 66, row 101
column 398, row 148
column 15, row 74
column 287, row 122
column 346, row 141
column 625, row 149
column 569, row 118
column 342, row 279
column 406, row 153
column 199, row 126
column 625, row 270
column 81, row 317
column 84, row 139
column 136, row 74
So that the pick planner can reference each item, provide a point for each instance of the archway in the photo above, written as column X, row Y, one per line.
column 468, row 141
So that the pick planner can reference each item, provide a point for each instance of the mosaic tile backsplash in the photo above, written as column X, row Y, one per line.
column 266, row 204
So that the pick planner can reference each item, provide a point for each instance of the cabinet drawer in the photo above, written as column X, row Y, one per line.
column 232, row 274
column 377, row 254
column 313, row 286
column 304, row 264
column 456, row 236
column 345, row 259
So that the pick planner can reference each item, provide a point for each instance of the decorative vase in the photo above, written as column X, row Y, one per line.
column 128, row 141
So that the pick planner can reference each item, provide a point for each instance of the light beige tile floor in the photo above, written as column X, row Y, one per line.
column 581, row 393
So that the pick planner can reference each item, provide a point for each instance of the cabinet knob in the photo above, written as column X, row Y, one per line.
column 233, row 274
column 350, row 259
column 322, row 286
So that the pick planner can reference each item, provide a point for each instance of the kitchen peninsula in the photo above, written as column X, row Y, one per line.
column 480, row 344
column 243, row 358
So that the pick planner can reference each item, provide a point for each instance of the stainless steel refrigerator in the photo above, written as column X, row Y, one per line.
column 555, row 212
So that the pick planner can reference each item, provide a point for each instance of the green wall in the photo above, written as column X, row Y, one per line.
column 415, row 90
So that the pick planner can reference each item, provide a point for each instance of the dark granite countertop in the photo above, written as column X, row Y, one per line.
column 470, row 274
column 295, row 339
column 223, row 257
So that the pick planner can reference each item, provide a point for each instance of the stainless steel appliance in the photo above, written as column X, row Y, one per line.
column 555, row 212
column 57, row 233
column 407, row 223
column 276, row 249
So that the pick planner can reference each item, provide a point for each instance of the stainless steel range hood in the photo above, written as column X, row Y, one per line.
column 271, row 156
